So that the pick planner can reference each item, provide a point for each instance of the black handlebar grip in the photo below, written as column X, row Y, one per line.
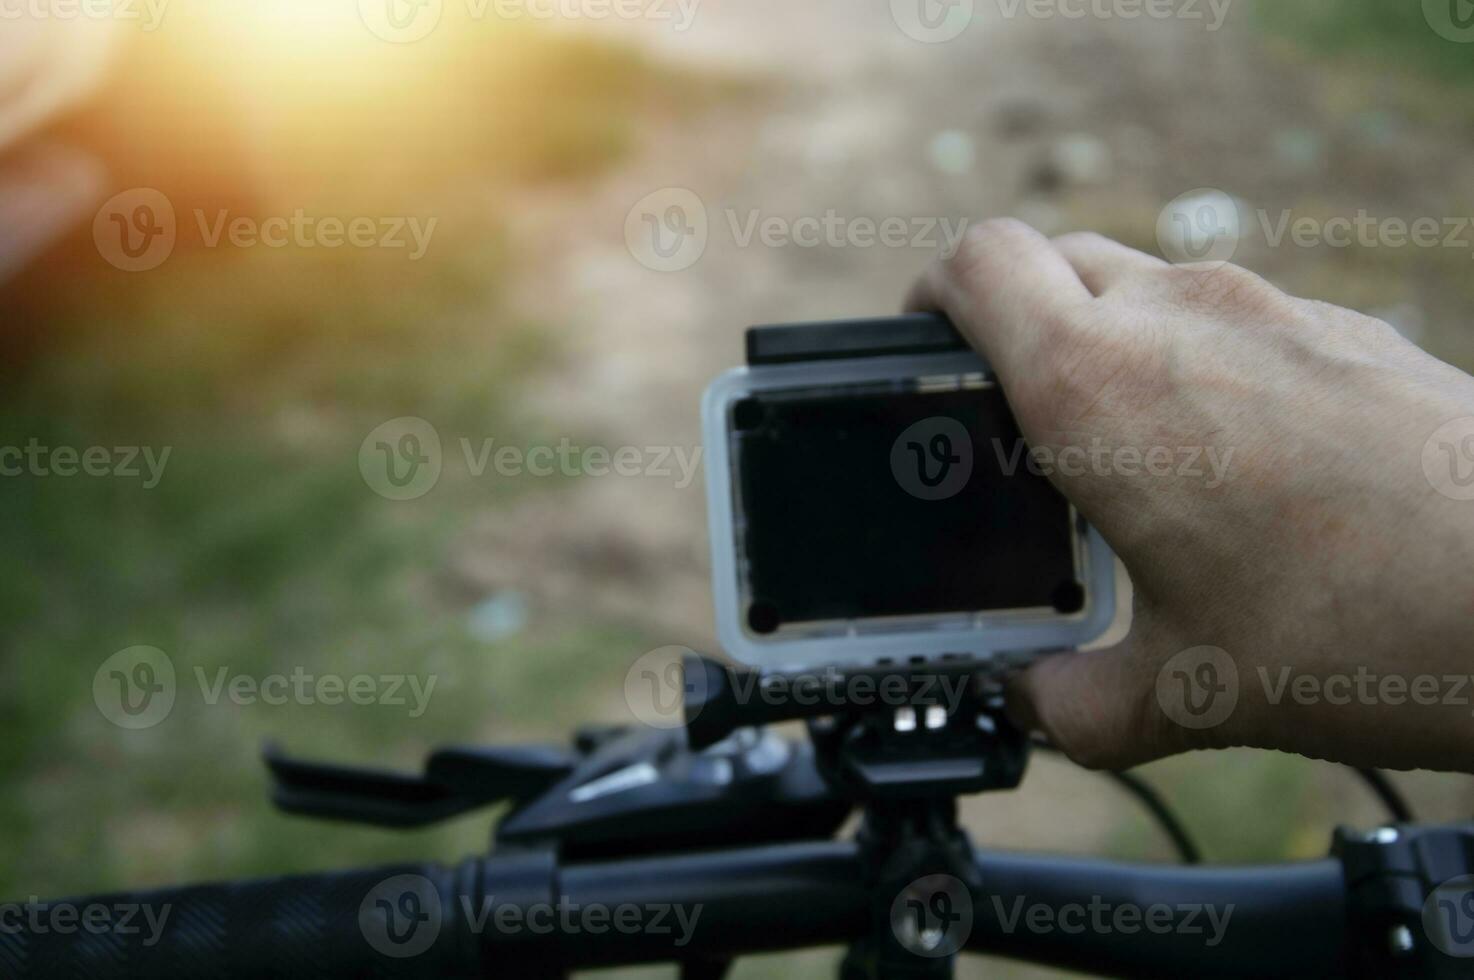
column 392, row 922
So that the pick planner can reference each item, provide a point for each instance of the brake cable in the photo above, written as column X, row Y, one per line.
column 1187, row 849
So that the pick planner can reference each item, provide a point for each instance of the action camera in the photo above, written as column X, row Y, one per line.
column 870, row 500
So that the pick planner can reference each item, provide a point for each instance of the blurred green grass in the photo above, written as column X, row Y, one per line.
column 262, row 550
column 1379, row 35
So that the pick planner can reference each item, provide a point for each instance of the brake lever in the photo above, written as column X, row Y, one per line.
column 456, row 780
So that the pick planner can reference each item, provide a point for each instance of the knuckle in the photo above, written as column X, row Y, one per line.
column 980, row 242
column 1002, row 229
column 1222, row 288
column 1082, row 240
column 1369, row 332
column 1344, row 342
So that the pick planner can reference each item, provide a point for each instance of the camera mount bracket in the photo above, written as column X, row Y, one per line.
column 903, row 740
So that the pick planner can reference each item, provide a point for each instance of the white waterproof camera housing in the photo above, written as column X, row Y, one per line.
column 869, row 501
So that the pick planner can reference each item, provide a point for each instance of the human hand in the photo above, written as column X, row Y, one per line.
column 1296, row 518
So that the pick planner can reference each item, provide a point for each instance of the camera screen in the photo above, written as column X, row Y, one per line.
column 873, row 502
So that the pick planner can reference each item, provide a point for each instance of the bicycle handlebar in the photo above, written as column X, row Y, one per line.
column 521, row 915
column 298, row 926
column 1166, row 920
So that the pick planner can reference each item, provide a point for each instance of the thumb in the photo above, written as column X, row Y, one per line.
column 1098, row 706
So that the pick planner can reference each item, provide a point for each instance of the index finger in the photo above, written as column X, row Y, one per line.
column 1002, row 282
